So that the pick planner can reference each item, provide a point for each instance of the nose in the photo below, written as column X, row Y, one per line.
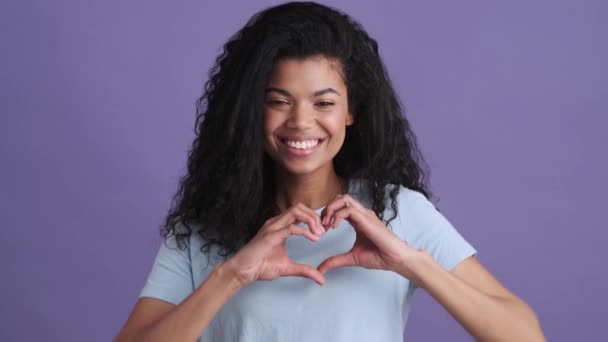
column 300, row 117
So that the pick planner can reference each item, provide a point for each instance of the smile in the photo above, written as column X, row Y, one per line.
column 300, row 147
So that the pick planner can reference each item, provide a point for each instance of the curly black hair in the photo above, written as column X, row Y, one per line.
column 229, row 189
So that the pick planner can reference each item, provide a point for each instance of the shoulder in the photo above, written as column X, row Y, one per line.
column 187, row 247
column 407, row 196
column 179, row 267
column 414, row 212
column 424, row 227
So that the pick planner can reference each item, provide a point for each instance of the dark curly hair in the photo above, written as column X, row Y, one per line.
column 229, row 189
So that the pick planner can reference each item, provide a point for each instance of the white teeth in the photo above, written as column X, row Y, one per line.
column 302, row 145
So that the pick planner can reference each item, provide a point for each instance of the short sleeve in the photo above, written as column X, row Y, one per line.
column 170, row 278
column 425, row 228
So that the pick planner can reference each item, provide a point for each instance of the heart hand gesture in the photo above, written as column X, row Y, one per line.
column 375, row 247
column 265, row 257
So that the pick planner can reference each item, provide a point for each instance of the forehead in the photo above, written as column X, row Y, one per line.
column 314, row 72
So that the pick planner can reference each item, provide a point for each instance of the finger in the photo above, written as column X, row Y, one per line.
column 364, row 222
column 351, row 202
column 339, row 215
column 271, row 221
column 301, row 214
column 311, row 218
column 351, row 214
column 341, row 201
column 340, row 260
column 302, row 270
column 292, row 229
column 327, row 213
column 315, row 216
column 358, row 220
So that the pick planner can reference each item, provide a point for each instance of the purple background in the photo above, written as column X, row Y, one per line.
column 97, row 103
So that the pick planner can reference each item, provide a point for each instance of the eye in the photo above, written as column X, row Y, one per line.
column 325, row 104
column 277, row 102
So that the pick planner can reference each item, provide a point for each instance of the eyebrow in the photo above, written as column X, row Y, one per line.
column 315, row 94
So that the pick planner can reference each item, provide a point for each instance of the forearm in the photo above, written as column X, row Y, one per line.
column 188, row 320
column 485, row 317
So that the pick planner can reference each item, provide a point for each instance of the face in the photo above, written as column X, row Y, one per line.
column 305, row 114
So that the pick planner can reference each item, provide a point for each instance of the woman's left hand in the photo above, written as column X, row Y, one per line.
column 375, row 247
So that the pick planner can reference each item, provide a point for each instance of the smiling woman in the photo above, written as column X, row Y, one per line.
column 306, row 205
column 305, row 118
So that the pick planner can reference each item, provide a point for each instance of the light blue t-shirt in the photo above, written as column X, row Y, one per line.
column 354, row 304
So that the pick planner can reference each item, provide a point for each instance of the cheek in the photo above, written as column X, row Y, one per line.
column 336, row 124
column 271, row 123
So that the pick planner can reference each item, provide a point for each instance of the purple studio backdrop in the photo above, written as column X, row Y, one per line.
column 97, row 112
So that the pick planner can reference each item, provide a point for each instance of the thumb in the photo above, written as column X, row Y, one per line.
column 302, row 270
column 340, row 260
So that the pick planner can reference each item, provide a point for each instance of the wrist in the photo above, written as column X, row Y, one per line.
column 228, row 275
column 414, row 265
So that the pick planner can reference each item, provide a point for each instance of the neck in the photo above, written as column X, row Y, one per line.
column 313, row 190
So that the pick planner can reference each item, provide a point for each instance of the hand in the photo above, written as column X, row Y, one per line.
column 375, row 247
column 265, row 257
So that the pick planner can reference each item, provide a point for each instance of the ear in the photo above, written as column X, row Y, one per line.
column 349, row 119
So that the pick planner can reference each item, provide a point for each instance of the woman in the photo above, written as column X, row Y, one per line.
column 304, row 215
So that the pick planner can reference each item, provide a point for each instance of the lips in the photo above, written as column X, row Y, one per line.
column 301, row 151
column 301, row 141
column 299, row 138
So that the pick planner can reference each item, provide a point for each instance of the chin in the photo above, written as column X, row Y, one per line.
column 299, row 170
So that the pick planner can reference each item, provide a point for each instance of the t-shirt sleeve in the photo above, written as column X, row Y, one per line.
column 170, row 278
column 425, row 228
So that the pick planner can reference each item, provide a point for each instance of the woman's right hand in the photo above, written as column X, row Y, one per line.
column 265, row 257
